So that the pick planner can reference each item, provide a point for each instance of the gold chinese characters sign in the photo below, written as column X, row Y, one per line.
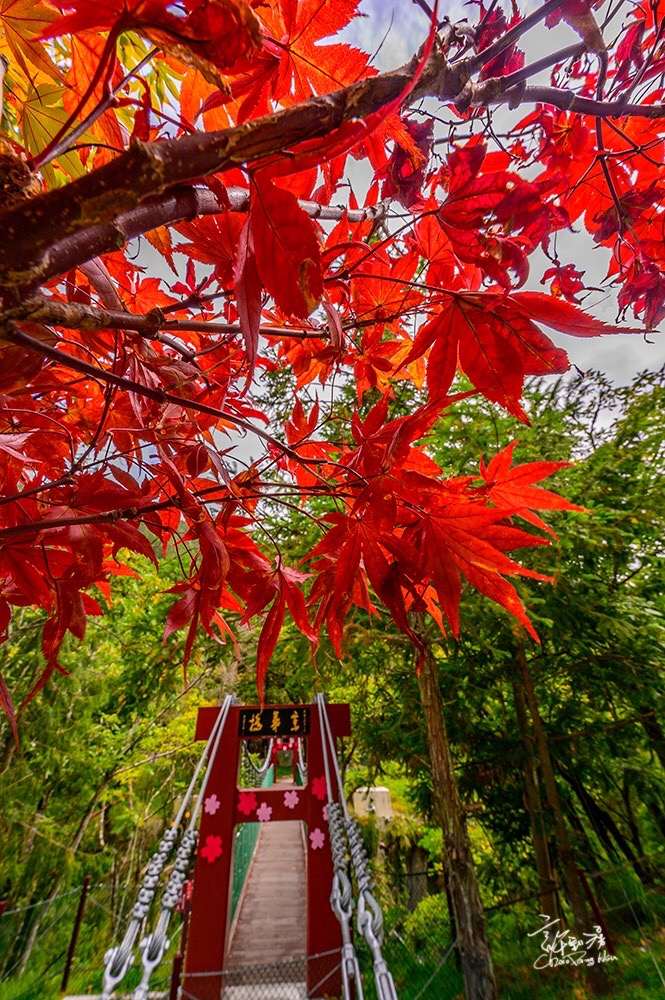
column 289, row 721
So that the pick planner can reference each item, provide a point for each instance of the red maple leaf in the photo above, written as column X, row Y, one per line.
column 286, row 245
column 294, row 62
column 512, row 486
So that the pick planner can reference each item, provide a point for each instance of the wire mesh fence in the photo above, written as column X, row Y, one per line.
column 418, row 939
column 418, row 942
column 35, row 939
column 294, row 979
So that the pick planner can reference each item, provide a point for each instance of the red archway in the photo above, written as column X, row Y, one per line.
column 226, row 805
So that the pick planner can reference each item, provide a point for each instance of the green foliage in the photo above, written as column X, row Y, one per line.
column 427, row 921
column 103, row 758
column 106, row 752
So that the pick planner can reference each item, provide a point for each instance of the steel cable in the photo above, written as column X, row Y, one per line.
column 369, row 920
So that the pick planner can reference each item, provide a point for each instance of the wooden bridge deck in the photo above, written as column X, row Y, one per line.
column 271, row 924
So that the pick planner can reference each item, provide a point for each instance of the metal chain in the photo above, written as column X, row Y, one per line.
column 154, row 946
column 341, row 896
column 118, row 960
column 341, row 901
column 262, row 769
column 369, row 920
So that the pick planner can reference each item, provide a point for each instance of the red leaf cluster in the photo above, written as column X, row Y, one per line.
column 122, row 394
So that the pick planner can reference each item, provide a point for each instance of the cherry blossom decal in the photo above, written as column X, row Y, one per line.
column 291, row 799
column 211, row 805
column 317, row 839
column 319, row 788
column 264, row 812
column 247, row 803
column 325, row 813
column 212, row 849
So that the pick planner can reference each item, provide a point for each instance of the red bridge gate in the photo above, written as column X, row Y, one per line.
column 225, row 806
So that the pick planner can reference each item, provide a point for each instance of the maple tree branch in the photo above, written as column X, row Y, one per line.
column 57, row 146
column 75, row 316
column 35, row 230
column 425, row 7
column 108, row 517
column 565, row 100
column 97, row 274
column 11, row 333
column 151, row 168
column 178, row 205
column 520, row 75
column 138, row 513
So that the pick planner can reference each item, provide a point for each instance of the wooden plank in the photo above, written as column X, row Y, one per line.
column 271, row 926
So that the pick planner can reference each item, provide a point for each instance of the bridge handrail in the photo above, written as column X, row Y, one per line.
column 154, row 946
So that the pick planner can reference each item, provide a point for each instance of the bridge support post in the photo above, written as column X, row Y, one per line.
column 324, row 935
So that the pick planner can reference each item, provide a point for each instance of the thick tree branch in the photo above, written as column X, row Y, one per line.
column 149, row 169
column 75, row 316
column 144, row 187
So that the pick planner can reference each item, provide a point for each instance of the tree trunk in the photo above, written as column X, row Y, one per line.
column 657, row 813
column 574, row 888
column 548, row 895
column 635, row 830
column 472, row 942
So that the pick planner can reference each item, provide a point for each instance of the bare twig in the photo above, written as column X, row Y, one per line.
column 16, row 336
column 512, row 35
column 63, row 144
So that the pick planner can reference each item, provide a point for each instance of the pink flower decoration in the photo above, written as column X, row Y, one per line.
column 211, row 805
column 247, row 803
column 212, row 849
column 317, row 839
column 319, row 788
column 325, row 813
column 264, row 812
column 291, row 799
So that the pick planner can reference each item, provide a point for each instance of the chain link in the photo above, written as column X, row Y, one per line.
column 118, row 961
column 341, row 901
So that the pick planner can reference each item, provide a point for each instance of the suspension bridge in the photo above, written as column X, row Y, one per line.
column 268, row 870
